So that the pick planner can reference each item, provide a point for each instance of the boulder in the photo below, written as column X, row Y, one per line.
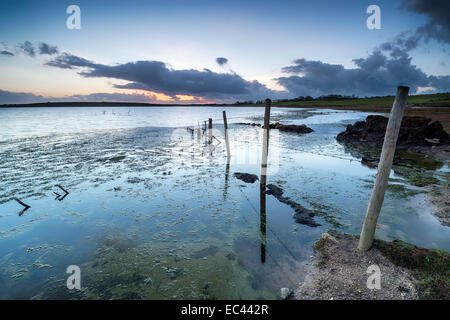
column 414, row 131
column 301, row 214
column 246, row 177
column 294, row 128
column 282, row 127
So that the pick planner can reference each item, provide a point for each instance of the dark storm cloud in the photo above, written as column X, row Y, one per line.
column 438, row 13
column 27, row 48
column 437, row 28
column 388, row 66
column 377, row 74
column 221, row 61
column 69, row 61
column 157, row 77
column 6, row 53
column 45, row 48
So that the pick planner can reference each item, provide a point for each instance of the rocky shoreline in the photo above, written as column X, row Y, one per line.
column 417, row 134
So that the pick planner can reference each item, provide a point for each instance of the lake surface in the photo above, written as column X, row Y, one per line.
column 154, row 212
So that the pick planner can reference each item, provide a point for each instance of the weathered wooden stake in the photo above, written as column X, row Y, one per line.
column 227, row 142
column 265, row 146
column 384, row 169
column 22, row 203
column 209, row 131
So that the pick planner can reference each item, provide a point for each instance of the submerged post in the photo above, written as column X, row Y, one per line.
column 265, row 146
column 227, row 141
column 384, row 169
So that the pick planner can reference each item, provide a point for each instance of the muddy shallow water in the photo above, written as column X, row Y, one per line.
column 153, row 212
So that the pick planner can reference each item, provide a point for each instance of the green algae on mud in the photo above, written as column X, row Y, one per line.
column 119, row 270
column 431, row 267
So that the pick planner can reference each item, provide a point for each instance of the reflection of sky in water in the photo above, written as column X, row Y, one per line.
column 154, row 213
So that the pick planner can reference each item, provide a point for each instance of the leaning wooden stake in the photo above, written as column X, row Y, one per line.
column 384, row 169
column 265, row 146
column 22, row 203
column 227, row 141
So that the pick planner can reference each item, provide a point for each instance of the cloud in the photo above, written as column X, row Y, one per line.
column 221, row 61
column 9, row 97
column 6, row 53
column 156, row 76
column 45, row 48
column 438, row 13
column 378, row 74
column 388, row 66
column 69, row 61
column 27, row 48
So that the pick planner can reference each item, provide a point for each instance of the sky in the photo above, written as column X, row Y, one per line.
column 199, row 51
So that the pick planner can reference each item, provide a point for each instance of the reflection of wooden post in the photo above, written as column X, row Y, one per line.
column 198, row 133
column 384, row 169
column 265, row 146
column 227, row 174
column 262, row 221
column 227, row 141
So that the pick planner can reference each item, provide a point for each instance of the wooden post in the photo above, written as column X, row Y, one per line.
column 262, row 187
column 210, row 131
column 384, row 169
column 227, row 142
column 22, row 203
column 265, row 146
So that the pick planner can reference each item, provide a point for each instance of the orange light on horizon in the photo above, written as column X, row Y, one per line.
column 185, row 97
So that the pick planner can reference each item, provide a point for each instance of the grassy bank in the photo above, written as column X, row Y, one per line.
column 434, row 106
column 427, row 99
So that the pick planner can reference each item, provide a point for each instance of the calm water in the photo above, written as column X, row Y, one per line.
column 155, row 213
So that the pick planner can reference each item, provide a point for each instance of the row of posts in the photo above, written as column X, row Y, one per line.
column 382, row 178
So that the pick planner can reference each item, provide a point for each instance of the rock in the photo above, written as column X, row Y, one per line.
column 294, row 128
column 301, row 214
column 283, row 127
column 274, row 190
column 246, row 177
column 249, row 124
column 366, row 162
column 414, row 132
column 285, row 293
column 327, row 236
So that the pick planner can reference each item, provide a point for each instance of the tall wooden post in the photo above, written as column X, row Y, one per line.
column 262, row 190
column 265, row 146
column 227, row 141
column 384, row 169
column 209, row 131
